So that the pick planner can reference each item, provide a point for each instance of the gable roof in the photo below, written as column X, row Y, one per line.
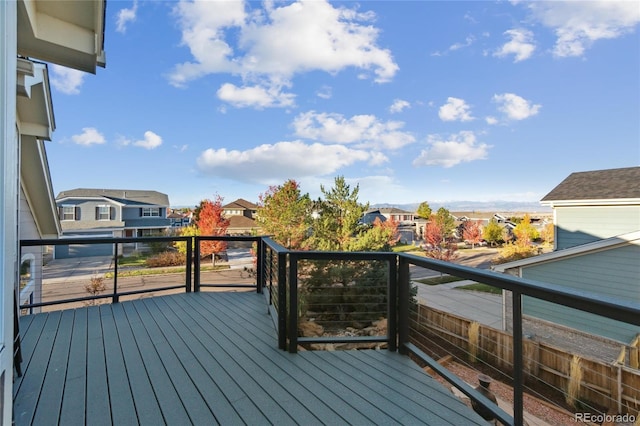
column 606, row 244
column 612, row 184
column 123, row 196
column 240, row 204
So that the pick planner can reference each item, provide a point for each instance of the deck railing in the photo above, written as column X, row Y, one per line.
column 339, row 288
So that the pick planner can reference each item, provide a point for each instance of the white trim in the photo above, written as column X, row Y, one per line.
column 592, row 202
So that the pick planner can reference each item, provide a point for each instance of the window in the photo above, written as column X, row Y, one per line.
column 150, row 212
column 68, row 213
column 104, row 213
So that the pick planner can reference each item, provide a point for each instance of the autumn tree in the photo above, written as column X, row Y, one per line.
column 424, row 211
column 212, row 222
column 436, row 249
column 472, row 232
column 492, row 233
column 525, row 232
column 284, row 213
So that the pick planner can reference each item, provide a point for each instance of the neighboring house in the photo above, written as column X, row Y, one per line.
column 241, row 215
column 590, row 206
column 57, row 32
column 110, row 213
column 597, row 238
column 403, row 217
column 179, row 219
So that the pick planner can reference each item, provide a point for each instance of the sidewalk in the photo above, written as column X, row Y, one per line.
column 74, row 269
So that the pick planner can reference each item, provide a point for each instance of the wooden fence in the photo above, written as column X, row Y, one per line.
column 613, row 387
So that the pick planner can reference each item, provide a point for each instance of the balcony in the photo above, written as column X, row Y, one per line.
column 207, row 350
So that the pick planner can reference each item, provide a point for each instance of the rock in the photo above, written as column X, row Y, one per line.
column 310, row 329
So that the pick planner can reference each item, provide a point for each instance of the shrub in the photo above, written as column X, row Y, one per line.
column 167, row 258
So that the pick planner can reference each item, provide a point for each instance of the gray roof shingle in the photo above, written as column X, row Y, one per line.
column 124, row 196
column 598, row 185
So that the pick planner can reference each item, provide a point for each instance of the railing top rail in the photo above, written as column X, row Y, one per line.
column 610, row 307
column 228, row 237
column 274, row 245
column 98, row 240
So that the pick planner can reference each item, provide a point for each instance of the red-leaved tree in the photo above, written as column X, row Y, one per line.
column 212, row 222
column 471, row 232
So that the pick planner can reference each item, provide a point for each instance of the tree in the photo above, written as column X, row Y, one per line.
column 424, row 211
column 525, row 232
column 382, row 236
column 472, row 232
column 339, row 214
column 212, row 222
column 446, row 221
column 284, row 214
column 434, row 235
column 492, row 233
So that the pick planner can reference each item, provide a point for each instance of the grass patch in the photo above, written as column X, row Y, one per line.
column 132, row 260
column 162, row 271
column 440, row 280
column 402, row 248
column 481, row 287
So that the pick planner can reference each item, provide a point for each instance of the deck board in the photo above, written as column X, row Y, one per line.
column 210, row 358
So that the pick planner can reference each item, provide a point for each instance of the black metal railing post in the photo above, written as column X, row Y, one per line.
column 282, row 300
column 293, row 304
column 189, row 260
column 116, row 298
column 404, row 291
column 518, row 364
column 392, row 304
column 196, row 264
column 260, row 264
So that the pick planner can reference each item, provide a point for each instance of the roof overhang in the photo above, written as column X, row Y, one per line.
column 594, row 202
column 35, row 179
column 33, row 103
column 65, row 32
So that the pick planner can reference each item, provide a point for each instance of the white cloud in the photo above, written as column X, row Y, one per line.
column 521, row 45
column 398, row 105
column 273, row 163
column 455, row 110
column 126, row 16
column 458, row 148
column 254, row 96
column 366, row 131
column 467, row 42
column 150, row 141
column 66, row 80
column 275, row 43
column 515, row 107
column 89, row 136
column 325, row 92
column 578, row 24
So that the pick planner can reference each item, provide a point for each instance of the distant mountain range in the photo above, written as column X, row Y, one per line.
column 474, row 206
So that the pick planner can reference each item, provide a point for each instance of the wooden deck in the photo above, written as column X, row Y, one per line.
column 209, row 358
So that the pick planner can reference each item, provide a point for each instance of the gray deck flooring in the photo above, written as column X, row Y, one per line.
column 209, row 358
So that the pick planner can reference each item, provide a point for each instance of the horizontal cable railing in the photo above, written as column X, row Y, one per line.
column 99, row 270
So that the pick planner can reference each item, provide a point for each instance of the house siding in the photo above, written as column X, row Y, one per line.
column 612, row 272
column 584, row 224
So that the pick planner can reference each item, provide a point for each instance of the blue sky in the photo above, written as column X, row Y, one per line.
column 412, row 100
